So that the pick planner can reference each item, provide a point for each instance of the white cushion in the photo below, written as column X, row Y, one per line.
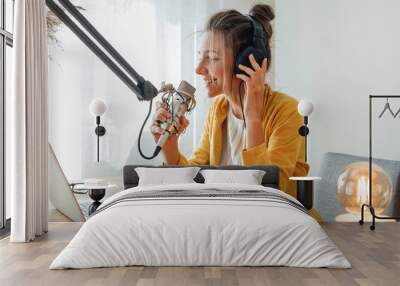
column 248, row 177
column 164, row 176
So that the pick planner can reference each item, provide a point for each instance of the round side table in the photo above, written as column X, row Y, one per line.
column 96, row 193
column 305, row 190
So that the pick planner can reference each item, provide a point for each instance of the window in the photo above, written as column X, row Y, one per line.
column 6, row 43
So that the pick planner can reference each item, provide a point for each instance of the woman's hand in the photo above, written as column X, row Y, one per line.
column 253, row 103
column 170, row 148
column 162, row 115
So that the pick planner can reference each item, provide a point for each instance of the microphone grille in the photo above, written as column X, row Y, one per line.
column 186, row 87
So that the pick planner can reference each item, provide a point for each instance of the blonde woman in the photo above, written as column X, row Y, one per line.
column 248, row 123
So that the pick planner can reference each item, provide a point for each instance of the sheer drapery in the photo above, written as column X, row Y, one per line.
column 27, row 123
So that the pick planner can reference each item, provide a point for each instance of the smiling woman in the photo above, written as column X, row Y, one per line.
column 248, row 122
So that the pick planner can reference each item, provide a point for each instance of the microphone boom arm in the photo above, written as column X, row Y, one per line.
column 143, row 89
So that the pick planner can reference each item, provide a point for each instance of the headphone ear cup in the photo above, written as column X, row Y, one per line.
column 243, row 58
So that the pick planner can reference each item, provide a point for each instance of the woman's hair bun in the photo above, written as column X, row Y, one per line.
column 264, row 14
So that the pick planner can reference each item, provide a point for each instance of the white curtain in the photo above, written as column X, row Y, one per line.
column 26, row 120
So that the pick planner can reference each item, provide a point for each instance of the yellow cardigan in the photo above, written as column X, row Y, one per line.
column 283, row 145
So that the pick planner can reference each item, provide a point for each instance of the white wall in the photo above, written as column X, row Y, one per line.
column 336, row 53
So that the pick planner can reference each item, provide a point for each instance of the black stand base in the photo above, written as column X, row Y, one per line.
column 305, row 193
column 96, row 195
column 93, row 207
column 374, row 216
column 100, row 130
column 303, row 130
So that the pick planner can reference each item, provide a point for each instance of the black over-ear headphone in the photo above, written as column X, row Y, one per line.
column 256, row 47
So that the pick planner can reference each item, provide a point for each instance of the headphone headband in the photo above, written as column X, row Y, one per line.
column 257, row 47
column 258, row 32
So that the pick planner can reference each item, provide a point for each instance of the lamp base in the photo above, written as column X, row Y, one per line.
column 100, row 130
column 303, row 130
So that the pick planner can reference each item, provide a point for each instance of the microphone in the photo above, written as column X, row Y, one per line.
column 179, row 102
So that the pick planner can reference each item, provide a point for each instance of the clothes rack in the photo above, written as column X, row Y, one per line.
column 370, row 205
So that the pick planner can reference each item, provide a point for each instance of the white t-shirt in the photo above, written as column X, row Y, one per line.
column 233, row 140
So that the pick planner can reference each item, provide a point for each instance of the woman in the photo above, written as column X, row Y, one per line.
column 248, row 123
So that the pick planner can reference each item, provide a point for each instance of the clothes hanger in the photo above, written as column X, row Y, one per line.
column 387, row 107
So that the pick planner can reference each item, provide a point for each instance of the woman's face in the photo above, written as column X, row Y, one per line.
column 216, row 65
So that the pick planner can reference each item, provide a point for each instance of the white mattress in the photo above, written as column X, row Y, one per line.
column 200, row 231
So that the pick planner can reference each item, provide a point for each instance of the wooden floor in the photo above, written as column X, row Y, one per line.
column 375, row 257
column 56, row 216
